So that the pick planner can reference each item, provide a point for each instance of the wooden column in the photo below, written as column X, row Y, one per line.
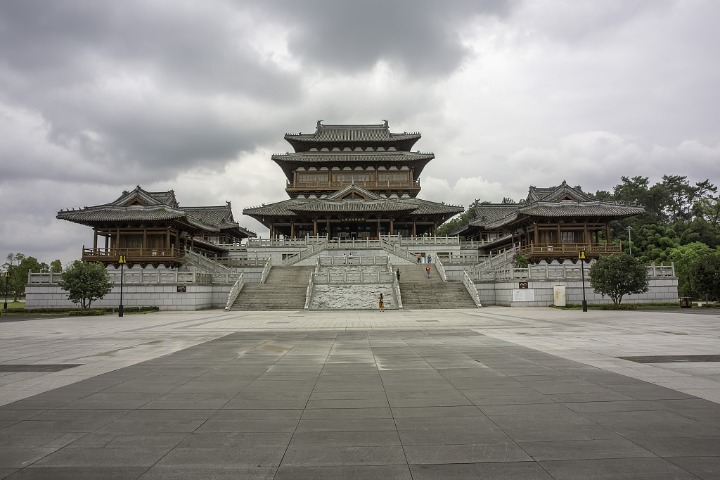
column 535, row 235
column 378, row 228
column 392, row 226
column 144, row 244
column 607, row 232
column 95, row 239
column 327, row 226
column 315, row 230
column 167, row 238
column 414, row 230
column 292, row 229
column 558, row 240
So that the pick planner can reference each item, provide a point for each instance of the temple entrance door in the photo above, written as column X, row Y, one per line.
column 349, row 231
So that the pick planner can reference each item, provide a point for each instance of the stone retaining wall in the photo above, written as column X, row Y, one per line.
column 663, row 289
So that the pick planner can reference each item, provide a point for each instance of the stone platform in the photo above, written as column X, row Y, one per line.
column 491, row 393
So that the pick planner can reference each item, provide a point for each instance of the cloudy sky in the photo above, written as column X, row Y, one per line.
column 99, row 96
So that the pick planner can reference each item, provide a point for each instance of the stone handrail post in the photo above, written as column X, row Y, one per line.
column 266, row 270
column 440, row 268
column 234, row 292
column 471, row 288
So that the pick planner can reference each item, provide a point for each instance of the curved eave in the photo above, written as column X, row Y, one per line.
column 303, row 143
column 97, row 217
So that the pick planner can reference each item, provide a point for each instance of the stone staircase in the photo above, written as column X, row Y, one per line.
column 284, row 289
column 419, row 292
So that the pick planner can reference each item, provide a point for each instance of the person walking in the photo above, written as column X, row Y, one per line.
column 427, row 270
column 429, row 258
column 381, row 303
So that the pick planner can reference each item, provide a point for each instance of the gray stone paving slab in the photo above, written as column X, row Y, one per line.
column 491, row 393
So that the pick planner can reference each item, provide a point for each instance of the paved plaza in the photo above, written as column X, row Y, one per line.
column 497, row 393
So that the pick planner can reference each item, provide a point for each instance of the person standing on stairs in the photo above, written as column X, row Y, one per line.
column 427, row 270
column 381, row 303
column 398, row 275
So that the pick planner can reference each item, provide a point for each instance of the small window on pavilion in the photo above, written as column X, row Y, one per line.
column 568, row 237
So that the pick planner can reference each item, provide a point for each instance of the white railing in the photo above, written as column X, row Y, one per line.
column 558, row 272
column 350, row 277
column 286, row 242
column 197, row 260
column 504, row 257
column 242, row 262
column 396, row 290
column 462, row 258
column 144, row 277
column 266, row 270
column 224, row 278
column 307, row 253
column 234, row 292
column 309, row 292
column 43, row 278
column 447, row 240
column 396, row 249
column 471, row 288
column 353, row 260
column 441, row 269
column 661, row 270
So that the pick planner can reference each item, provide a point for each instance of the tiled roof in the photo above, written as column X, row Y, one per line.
column 293, row 207
column 352, row 133
column 554, row 194
column 105, row 213
column 349, row 156
column 352, row 188
column 138, row 194
column 486, row 214
column 562, row 209
column 142, row 206
column 583, row 209
column 220, row 217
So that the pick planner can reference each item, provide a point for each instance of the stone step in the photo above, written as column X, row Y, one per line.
column 419, row 291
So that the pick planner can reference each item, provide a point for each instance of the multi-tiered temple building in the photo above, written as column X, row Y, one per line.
column 352, row 181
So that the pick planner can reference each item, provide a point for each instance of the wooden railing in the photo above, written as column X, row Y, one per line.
column 107, row 255
column 364, row 184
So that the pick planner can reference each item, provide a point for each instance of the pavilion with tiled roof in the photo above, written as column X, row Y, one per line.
column 352, row 181
column 152, row 228
column 551, row 223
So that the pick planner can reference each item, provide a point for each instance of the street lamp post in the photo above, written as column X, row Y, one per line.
column 7, row 281
column 629, row 228
column 122, row 262
column 581, row 256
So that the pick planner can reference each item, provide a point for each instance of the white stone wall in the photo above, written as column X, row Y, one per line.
column 166, row 297
column 662, row 289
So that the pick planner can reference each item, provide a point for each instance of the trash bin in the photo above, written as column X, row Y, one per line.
column 685, row 302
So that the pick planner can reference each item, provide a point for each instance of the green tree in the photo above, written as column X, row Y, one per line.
column 85, row 282
column 618, row 275
column 19, row 272
column 685, row 257
column 706, row 277
column 56, row 266
column 456, row 223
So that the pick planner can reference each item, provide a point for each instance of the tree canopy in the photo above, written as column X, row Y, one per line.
column 85, row 282
column 618, row 275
